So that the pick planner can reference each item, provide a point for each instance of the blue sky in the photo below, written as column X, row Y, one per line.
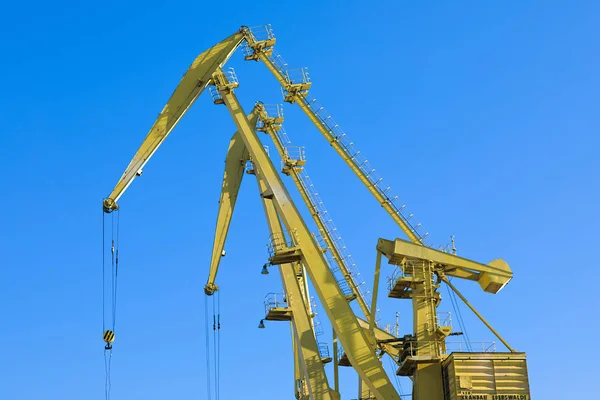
column 483, row 117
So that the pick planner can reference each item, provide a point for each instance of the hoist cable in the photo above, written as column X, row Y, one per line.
column 218, row 346
column 109, row 321
column 103, row 275
column 461, row 322
column 396, row 377
column 208, row 391
column 107, row 381
column 215, row 361
column 116, row 274
column 112, row 265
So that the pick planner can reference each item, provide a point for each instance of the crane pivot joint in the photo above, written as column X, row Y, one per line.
column 210, row 289
column 109, row 205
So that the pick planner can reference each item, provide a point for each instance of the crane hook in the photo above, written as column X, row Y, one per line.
column 109, row 337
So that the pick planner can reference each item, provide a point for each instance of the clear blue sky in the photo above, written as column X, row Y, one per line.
column 483, row 117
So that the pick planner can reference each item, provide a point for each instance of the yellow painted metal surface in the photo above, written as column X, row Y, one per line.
column 492, row 277
column 191, row 86
column 297, row 97
column 293, row 172
column 108, row 336
column 235, row 164
column 305, row 339
column 486, row 376
column 353, row 338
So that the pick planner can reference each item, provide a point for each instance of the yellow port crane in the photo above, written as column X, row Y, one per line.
column 423, row 355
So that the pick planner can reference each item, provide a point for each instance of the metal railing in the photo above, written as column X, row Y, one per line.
column 275, row 300
column 413, row 348
column 317, row 327
column 444, row 318
column 261, row 32
column 232, row 80
column 273, row 113
column 321, row 211
column 396, row 274
column 215, row 95
column 296, row 76
column 362, row 163
column 470, row 347
column 231, row 75
column 295, row 153
column 323, row 350
column 279, row 241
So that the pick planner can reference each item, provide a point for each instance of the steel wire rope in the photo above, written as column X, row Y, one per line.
column 208, row 391
column 214, row 365
column 114, row 240
column 106, row 361
column 116, row 272
column 396, row 377
column 458, row 312
column 218, row 345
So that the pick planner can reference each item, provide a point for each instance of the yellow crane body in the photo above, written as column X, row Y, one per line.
column 292, row 167
column 193, row 83
column 343, row 320
column 304, row 337
column 438, row 371
column 235, row 165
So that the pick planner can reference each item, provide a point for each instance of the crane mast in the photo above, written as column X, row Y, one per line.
column 437, row 372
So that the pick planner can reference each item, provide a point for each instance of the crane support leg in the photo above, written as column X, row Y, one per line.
column 235, row 163
column 303, row 331
column 355, row 341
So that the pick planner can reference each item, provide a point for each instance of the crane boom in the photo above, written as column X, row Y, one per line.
column 235, row 163
column 353, row 338
column 302, row 330
column 297, row 92
column 190, row 87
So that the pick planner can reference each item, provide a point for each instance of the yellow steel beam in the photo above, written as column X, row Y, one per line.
column 311, row 365
column 353, row 338
column 490, row 327
column 333, row 141
column 492, row 277
column 235, row 162
column 191, row 86
column 424, row 301
column 271, row 129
